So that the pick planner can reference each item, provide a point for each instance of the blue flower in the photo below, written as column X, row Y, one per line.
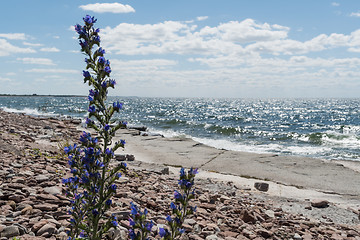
column 162, row 232
column 92, row 109
column 84, row 137
column 67, row 149
column 77, row 196
column 177, row 195
column 99, row 164
column 118, row 175
column 134, row 209
column 168, row 218
column 109, row 152
column 83, row 43
column 71, row 162
column 113, row 187
column 112, row 82
column 132, row 234
column 182, row 172
column 95, row 212
column 89, row 20
column 101, row 51
column 106, row 127
column 172, row 205
column 149, row 226
column 85, row 179
column 117, row 106
column 108, row 202
column 107, row 69
column 78, row 28
column 194, row 171
column 101, row 60
column 122, row 142
column 65, row 180
column 131, row 222
column 104, row 84
column 86, row 74
column 93, row 93
column 114, row 223
column 96, row 39
column 89, row 151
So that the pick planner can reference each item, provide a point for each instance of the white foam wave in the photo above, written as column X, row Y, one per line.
column 29, row 111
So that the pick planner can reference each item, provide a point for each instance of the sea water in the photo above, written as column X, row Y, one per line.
column 321, row 128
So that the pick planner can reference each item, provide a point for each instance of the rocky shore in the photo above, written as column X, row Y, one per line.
column 33, row 204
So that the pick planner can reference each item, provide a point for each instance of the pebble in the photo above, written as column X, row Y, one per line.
column 33, row 205
column 319, row 203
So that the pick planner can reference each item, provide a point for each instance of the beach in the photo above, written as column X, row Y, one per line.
column 334, row 179
column 229, row 206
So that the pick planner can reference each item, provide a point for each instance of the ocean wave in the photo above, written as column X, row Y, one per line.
column 224, row 130
column 332, row 138
column 29, row 111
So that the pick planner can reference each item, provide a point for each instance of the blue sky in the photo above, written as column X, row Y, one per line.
column 202, row 48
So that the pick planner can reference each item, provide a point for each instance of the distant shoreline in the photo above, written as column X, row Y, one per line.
column 37, row 95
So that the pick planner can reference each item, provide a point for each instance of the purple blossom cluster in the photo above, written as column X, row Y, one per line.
column 93, row 181
column 140, row 228
column 180, row 207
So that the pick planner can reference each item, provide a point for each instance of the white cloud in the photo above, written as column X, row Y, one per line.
column 241, row 38
column 355, row 14
column 144, row 64
column 184, row 38
column 7, row 49
column 50, row 49
column 202, row 18
column 13, row 36
column 38, row 61
column 335, row 4
column 32, row 44
column 52, row 70
column 2, row 79
column 108, row 7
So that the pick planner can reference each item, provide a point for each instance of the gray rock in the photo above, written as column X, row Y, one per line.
column 42, row 178
column 297, row 237
column 55, row 190
column 22, row 229
column 262, row 186
column 10, row 231
column 47, row 228
column 120, row 157
column 318, row 203
column 62, row 236
column 212, row 237
column 270, row 213
column 165, row 171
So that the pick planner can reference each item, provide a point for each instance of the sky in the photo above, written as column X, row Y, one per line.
column 187, row 48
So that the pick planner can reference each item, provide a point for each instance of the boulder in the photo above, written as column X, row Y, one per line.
column 262, row 186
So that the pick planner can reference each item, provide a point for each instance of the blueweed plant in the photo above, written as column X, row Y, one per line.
column 180, row 208
column 93, row 181
column 140, row 228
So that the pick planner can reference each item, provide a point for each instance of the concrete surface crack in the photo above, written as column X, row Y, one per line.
column 220, row 153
